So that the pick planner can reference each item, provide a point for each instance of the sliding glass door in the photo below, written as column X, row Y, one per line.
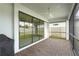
column 31, row 29
column 25, row 32
column 21, row 33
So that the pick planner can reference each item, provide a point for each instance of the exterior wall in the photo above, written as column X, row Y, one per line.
column 6, row 19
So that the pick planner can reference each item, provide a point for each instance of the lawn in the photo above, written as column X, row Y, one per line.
column 29, row 36
column 58, row 35
column 27, row 39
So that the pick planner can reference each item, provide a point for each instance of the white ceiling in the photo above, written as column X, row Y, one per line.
column 51, row 11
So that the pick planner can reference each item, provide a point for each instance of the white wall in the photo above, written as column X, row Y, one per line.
column 67, row 29
column 46, row 30
column 19, row 7
column 6, row 19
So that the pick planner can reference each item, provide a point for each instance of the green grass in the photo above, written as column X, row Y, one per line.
column 24, row 39
column 57, row 36
column 28, row 36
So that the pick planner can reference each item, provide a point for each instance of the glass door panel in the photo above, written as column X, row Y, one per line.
column 25, row 27
column 41, row 30
column 35, row 29
column 21, row 33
